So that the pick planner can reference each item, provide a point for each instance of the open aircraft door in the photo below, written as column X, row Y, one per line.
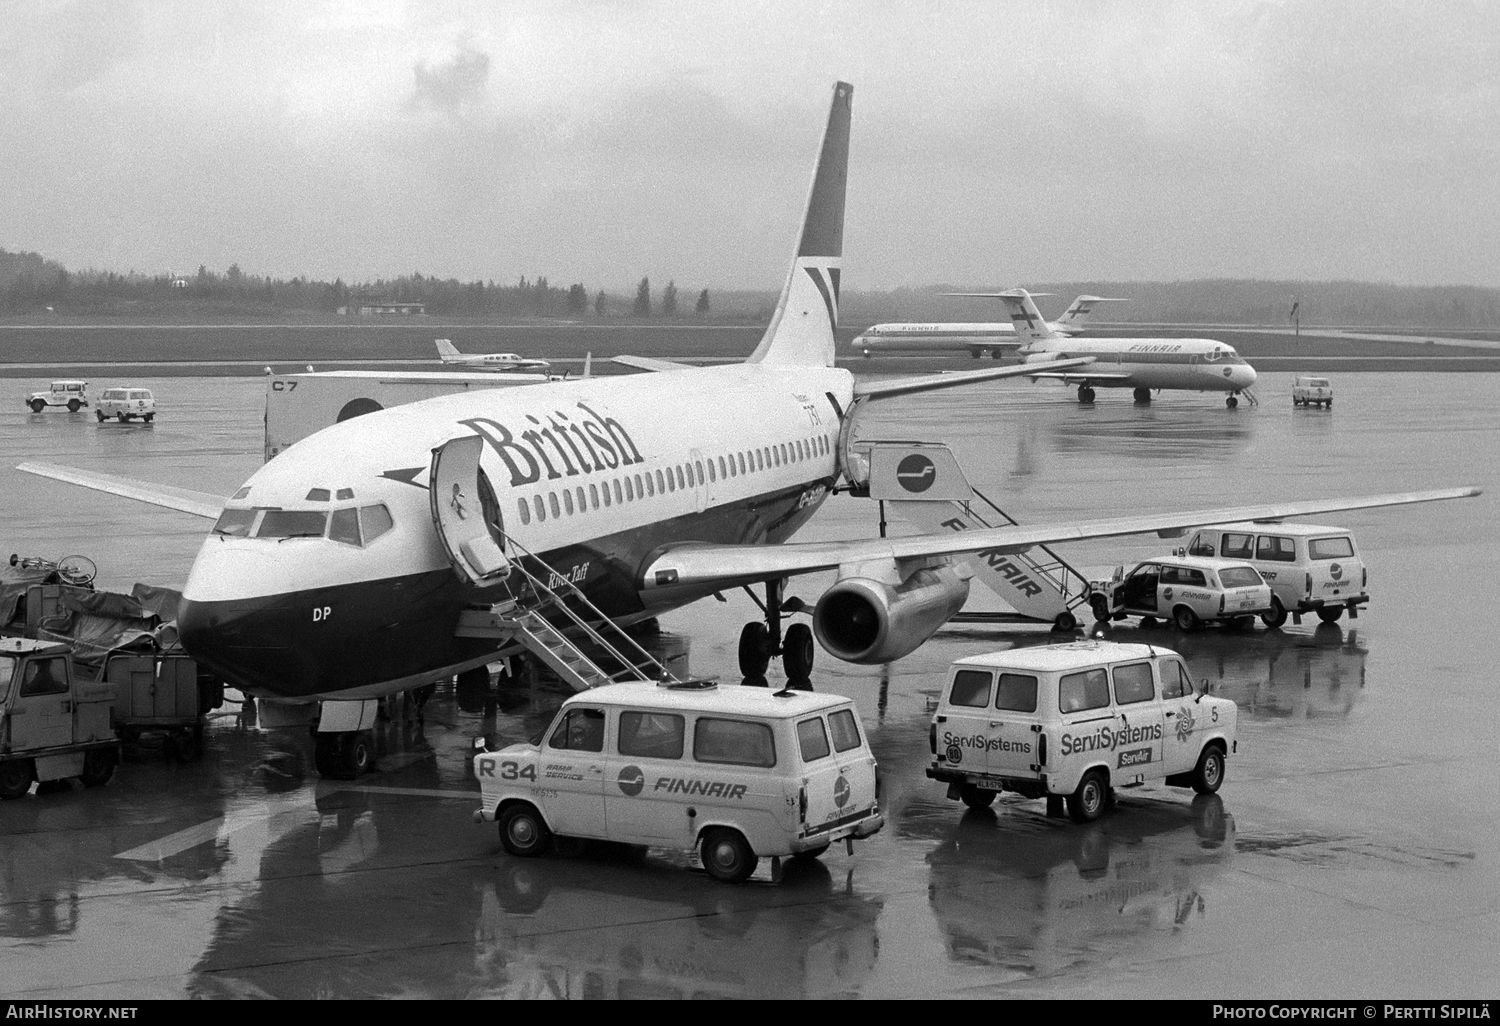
column 465, row 512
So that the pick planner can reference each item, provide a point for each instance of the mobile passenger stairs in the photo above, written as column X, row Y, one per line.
column 924, row 483
column 540, row 609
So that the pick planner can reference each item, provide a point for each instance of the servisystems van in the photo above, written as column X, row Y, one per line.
column 1311, row 568
column 1071, row 722
column 736, row 773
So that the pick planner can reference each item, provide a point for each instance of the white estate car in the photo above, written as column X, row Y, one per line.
column 736, row 773
column 1187, row 590
column 72, row 394
column 1312, row 391
column 126, row 403
column 1310, row 568
column 1070, row 722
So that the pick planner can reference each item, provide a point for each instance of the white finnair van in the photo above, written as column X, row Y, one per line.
column 1074, row 721
column 735, row 773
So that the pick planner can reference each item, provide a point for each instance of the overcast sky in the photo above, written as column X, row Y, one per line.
column 999, row 143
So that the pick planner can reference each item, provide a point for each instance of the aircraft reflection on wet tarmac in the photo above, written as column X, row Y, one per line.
column 1013, row 889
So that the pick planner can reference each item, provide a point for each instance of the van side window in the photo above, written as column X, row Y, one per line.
column 1088, row 689
column 1272, row 547
column 1174, row 680
column 1133, row 684
column 812, row 739
column 1238, row 546
column 845, row 730
column 734, row 742
column 651, row 735
column 971, row 688
column 1017, row 692
column 1329, row 548
column 581, row 730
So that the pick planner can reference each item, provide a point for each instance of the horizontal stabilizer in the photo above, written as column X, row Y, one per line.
column 646, row 363
column 184, row 500
column 878, row 389
column 726, row 566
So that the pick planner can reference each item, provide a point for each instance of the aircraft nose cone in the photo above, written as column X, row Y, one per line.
column 246, row 641
column 1245, row 376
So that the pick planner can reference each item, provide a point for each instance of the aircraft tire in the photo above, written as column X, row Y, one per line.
column 1231, row 402
column 755, row 649
column 797, row 652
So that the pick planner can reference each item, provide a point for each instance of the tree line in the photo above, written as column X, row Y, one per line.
column 30, row 283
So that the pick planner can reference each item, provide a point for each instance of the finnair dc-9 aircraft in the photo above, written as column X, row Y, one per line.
column 357, row 563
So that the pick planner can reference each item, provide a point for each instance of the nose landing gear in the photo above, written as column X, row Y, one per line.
column 760, row 642
column 1231, row 401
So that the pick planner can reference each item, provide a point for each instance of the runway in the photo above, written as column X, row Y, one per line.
column 1354, row 850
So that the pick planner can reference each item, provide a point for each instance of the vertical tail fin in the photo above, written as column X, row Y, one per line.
column 1030, row 326
column 1072, row 320
column 801, row 331
column 448, row 351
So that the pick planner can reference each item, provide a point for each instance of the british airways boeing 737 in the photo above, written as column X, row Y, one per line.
column 343, row 569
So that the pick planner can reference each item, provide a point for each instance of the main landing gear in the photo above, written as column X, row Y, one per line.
column 760, row 642
column 1085, row 394
column 1143, row 397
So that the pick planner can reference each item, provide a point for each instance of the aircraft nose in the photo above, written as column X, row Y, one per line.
column 247, row 641
column 1245, row 375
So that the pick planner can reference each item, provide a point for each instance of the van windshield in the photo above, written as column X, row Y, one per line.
column 1239, row 577
column 1330, row 548
column 7, row 670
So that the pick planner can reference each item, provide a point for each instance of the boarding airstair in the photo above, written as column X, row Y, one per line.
column 923, row 482
column 541, row 615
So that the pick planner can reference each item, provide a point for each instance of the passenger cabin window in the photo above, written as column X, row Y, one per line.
column 552, row 502
column 1276, row 549
column 525, row 508
column 1017, row 693
column 971, row 688
column 1133, row 684
column 813, row 739
column 646, row 735
column 1088, row 689
column 1174, row 680
column 1239, row 546
column 568, row 501
column 541, row 508
column 581, row 730
column 845, row 730
column 1330, row 548
column 733, row 742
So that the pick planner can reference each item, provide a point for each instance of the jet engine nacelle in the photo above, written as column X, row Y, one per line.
column 876, row 614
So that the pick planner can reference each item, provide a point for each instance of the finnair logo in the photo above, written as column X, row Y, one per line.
column 916, row 473
column 827, row 281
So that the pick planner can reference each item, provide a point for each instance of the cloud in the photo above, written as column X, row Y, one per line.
column 453, row 84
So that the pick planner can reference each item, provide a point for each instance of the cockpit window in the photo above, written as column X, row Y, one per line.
column 317, row 495
column 293, row 523
column 374, row 521
column 235, row 523
column 343, row 526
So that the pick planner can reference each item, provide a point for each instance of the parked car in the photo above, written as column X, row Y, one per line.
column 1310, row 391
column 1311, row 568
column 1071, row 722
column 72, row 394
column 126, row 403
column 1187, row 590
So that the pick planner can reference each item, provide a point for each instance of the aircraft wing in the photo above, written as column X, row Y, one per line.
column 728, row 566
column 184, row 500
column 646, row 363
column 885, row 388
column 1091, row 376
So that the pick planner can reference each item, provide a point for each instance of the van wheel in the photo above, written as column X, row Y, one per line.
column 15, row 778
column 727, row 856
column 797, row 652
column 149, row 417
column 755, row 649
column 523, row 832
column 1209, row 773
column 1277, row 615
column 1086, row 803
column 73, row 406
column 122, row 418
column 101, row 416
column 976, row 797
column 1185, row 619
column 1330, row 614
column 1100, row 606
column 98, row 767
column 358, row 757
column 37, row 406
